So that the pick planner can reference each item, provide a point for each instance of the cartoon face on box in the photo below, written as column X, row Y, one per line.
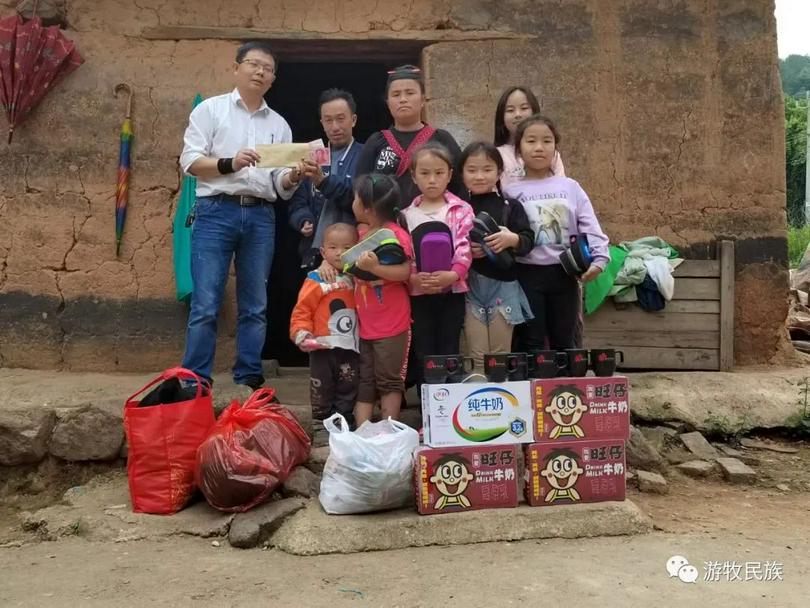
column 460, row 479
column 570, row 409
column 582, row 471
column 451, row 478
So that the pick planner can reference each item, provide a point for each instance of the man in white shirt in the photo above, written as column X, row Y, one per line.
column 234, row 216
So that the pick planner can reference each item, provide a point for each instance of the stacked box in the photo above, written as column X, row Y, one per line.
column 573, row 409
column 560, row 473
column 580, row 428
column 471, row 414
column 456, row 479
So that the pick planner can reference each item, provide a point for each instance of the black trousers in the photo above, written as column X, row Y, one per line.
column 554, row 297
column 437, row 323
column 334, row 378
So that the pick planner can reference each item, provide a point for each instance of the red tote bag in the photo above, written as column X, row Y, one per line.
column 163, row 441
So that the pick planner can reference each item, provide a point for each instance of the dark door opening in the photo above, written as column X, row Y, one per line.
column 295, row 96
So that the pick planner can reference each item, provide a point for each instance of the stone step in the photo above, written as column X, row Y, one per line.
column 736, row 471
column 312, row 532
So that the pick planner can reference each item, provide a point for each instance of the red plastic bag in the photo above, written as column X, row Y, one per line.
column 249, row 453
column 163, row 441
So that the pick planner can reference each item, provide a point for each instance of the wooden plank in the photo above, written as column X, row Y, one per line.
column 609, row 338
column 697, row 289
column 640, row 320
column 670, row 358
column 196, row 32
column 726, row 305
column 698, row 269
column 694, row 306
column 698, row 306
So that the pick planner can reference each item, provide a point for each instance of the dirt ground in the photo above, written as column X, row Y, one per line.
column 705, row 520
column 730, row 525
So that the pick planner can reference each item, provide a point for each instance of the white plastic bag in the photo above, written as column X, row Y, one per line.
column 370, row 469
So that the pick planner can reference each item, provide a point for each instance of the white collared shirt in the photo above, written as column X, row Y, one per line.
column 221, row 126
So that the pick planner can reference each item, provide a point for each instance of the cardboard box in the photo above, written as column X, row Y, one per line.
column 477, row 414
column 574, row 409
column 451, row 480
column 574, row 472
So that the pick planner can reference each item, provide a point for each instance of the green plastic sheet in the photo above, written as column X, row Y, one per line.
column 597, row 290
column 181, row 241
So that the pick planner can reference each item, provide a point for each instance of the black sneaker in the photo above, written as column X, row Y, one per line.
column 254, row 382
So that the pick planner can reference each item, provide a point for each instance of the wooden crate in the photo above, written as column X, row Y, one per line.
column 694, row 332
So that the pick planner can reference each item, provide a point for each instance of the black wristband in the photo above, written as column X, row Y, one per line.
column 225, row 166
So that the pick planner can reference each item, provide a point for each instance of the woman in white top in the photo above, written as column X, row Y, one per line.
column 515, row 104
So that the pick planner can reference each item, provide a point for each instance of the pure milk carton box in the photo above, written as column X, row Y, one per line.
column 477, row 413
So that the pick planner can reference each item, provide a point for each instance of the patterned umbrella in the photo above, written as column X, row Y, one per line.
column 32, row 59
column 122, row 189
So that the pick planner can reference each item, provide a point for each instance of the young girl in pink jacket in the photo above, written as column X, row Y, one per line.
column 440, row 224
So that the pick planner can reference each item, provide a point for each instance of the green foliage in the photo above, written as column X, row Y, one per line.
column 799, row 422
column 798, row 238
column 795, row 70
column 795, row 158
column 722, row 426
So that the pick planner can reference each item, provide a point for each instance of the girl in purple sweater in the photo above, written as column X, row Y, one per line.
column 557, row 208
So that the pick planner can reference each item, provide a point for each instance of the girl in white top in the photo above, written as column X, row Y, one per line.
column 515, row 104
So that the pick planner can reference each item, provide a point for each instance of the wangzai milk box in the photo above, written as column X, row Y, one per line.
column 476, row 413
column 456, row 479
column 579, row 471
column 575, row 409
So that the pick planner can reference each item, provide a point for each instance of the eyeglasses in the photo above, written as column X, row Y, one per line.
column 256, row 66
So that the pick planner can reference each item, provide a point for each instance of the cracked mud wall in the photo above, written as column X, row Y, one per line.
column 671, row 118
column 670, row 112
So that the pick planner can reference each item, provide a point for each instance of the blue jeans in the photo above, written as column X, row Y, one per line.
column 221, row 231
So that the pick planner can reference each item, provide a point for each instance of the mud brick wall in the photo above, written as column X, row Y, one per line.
column 671, row 115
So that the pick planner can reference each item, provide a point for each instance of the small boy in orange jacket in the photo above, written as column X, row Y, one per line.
column 324, row 324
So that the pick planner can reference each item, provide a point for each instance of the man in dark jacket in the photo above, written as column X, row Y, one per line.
column 325, row 197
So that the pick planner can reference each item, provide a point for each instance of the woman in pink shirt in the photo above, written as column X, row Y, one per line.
column 515, row 104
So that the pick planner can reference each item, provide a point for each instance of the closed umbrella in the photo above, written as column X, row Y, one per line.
column 124, row 154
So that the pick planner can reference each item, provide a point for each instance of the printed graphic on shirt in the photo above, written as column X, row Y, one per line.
column 518, row 171
column 548, row 217
column 377, row 286
column 343, row 320
column 387, row 160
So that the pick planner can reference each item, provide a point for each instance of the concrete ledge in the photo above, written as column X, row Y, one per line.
column 79, row 417
column 100, row 510
column 312, row 532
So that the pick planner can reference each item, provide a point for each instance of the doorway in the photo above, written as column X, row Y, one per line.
column 295, row 95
